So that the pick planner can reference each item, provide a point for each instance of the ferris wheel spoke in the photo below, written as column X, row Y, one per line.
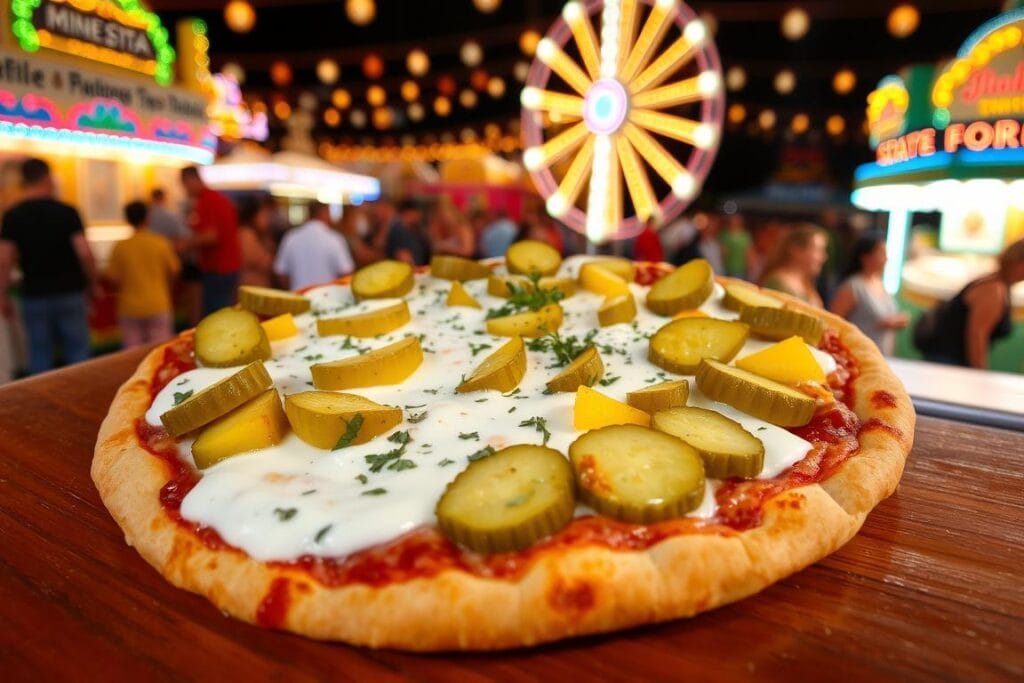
column 572, row 183
column 629, row 18
column 563, row 65
column 671, row 171
column 637, row 183
column 586, row 40
column 604, row 201
column 557, row 148
column 658, row 22
column 536, row 99
column 676, row 55
column 686, row 91
column 695, row 133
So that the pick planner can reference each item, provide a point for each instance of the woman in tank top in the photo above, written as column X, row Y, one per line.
column 796, row 263
column 862, row 299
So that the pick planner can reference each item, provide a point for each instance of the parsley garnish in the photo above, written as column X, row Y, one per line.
column 308, row 493
column 540, row 424
column 477, row 348
column 430, row 391
column 530, row 296
column 393, row 459
column 323, row 532
column 362, row 478
column 352, row 428
column 422, row 405
column 417, row 417
column 284, row 514
column 182, row 382
column 608, row 381
column 482, row 453
column 374, row 492
column 400, row 438
column 566, row 349
column 470, row 435
column 445, row 462
column 311, row 358
column 182, row 396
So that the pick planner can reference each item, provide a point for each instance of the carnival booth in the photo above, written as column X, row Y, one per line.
column 949, row 169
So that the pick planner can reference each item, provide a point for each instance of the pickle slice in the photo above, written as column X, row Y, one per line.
column 755, row 395
column 390, row 364
column 637, row 474
column 368, row 324
column 679, row 346
column 622, row 267
column 383, row 280
column 216, row 400
column 260, row 423
column 617, row 309
column 271, row 302
column 502, row 371
column 738, row 296
column 498, row 285
column 530, row 256
column 727, row 448
column 230, row 337
column 457, row 268
column 528, row 324
column 686, row 287
column 599, row 280
column 326, row 419
column 584, row 370
column 509, row 500
column 670, row 394
column 782, row 323
column 458, row 296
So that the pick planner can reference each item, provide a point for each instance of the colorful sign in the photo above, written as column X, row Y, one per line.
column 976, row 136
column 887, row 110
column 117, row 32
column 51, row 101
column 230, row 117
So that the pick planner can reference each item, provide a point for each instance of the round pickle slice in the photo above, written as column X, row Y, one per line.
column 670, row 394
column 686, row 287
column 509, row 500
column 326, row 419
column 738, row 296
column 368, row 324
column 637, row 474
column 755, row 395
column 586, row 369
column 502, row 371
column 390, row 364
column 528, row 324
column 530, row 256
column 216, row 400
column 230, row 337
column 679, row 346
column 386, row 279
column 617, row 309
column 782, row 323
column 457, row 268
column 602, row 281
column 271, row 302
column 728, row 449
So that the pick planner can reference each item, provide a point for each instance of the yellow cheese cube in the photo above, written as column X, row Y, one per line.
column 594, row 410
column 458, row 296
column 280, row 327
column 789, row 362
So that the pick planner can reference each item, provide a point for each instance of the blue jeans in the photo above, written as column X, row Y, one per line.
column 58, row 318
column 218, row 291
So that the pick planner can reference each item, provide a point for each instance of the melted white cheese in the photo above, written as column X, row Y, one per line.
column 294, row 499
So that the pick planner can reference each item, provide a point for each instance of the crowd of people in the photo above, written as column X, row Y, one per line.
column 196, row 258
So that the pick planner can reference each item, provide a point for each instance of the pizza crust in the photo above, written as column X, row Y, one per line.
column 565, row 593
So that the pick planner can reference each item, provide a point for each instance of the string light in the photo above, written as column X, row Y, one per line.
column 235, row 71
column 486, row 6
column 528, row 42
column 735, row 78
column 903, row 20
column 521, row 71
column 835, row 125
column 282, row 109
column 496, row 87
column 737, row 112
column 800, row 123
column 766, row 119
column 357, row 118
column 417, row 62
column 415, row 112
column 471, row 53
column 442, row 106
column 332, row 117
column 327, row 71
column 308, row 101
column 341, row 98
column 446, row 85
column 373, row 66
column 376, row 96
column 467, row 135
column 280, row 73
column 382, row 118
column 410, row 91
column 785, row 82
column 795, row 23
column 479, row 79
column 240, row 16
column 844, row 81
column 467, row 98
column 360, row 12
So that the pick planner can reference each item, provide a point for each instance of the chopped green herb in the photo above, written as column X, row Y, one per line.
column 374, row 492
column 480, row 400
column 422, row 405
column 400, row 437
column 445, row 462
column 362, row 478
column 284, row 514
column 430, row 391
column 540, row 424
column 315, row 357
column 322, row 533
column 512, row 409
column 182, row 396
column 608, row 381
column 477, row 348
column 566, row 349
column 469, row 435
column 183, row 381
column 308, row 493
column 761, row 429
column 512, row 393
column 526, row 297
column 352, row 428
column 417, row 417
column 402, row 464
column 484, row 452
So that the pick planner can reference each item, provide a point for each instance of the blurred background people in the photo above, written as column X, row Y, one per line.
column 46, row 238
column 142, row 269
column 366, row 238
column 961, row 330
column 450, row 231
column 313, row 254
column 538, row 226
column 406, row 241
column 861, row 297
column 796, row 263
column 165, row 222
column 214, row 223
column 256, row 243
column 647, row 246
column 708, row 246
column 497, row 236
column 735, row 241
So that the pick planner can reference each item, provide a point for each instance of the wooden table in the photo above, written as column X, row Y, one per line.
column 931, row 588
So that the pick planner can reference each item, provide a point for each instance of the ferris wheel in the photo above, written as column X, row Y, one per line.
column 603, row 100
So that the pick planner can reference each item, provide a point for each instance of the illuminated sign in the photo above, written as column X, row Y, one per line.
column 230, row 117
column 887, row 110
column 976, row 136
column 118, row 32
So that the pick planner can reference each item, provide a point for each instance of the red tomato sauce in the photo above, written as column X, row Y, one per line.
column 424, row 552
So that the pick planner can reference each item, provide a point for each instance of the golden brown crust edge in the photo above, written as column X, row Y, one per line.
column 583, row 590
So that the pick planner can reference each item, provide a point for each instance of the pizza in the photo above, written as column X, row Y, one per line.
column 494, row 455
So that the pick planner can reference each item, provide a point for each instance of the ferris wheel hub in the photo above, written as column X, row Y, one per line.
column 605, row 106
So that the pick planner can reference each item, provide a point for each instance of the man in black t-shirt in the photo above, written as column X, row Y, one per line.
column 405, row 236
column 46, row 238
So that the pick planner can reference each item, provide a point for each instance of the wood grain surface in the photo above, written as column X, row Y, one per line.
column 930, row 589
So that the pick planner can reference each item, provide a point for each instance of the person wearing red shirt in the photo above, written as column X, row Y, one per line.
column 214, row 223
column 648, row 246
